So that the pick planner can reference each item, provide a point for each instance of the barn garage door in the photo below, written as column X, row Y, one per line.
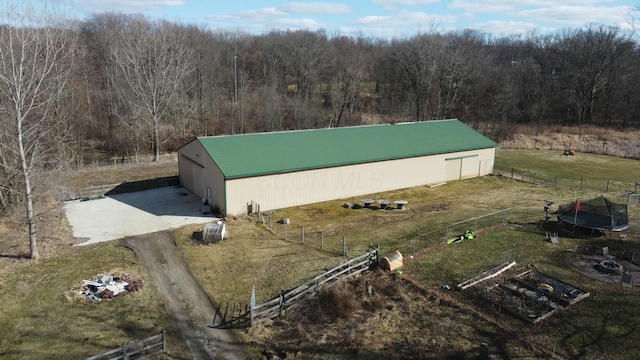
column 192, row 176
column 453, row 169
column 461, row 167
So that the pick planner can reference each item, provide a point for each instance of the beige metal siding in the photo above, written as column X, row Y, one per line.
column 469, row 167
column 199, row 172
column 215, row 181
column 190, row 166
column 305, row 187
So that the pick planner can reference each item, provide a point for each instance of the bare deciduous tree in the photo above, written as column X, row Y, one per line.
column 34, row 54
column 588, row 58
column 153, row 61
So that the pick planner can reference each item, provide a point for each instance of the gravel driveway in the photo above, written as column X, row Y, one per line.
column 143, row 212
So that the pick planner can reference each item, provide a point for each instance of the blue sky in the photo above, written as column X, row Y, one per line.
column 377, row 18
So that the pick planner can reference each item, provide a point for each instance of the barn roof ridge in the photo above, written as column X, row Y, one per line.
column 320, row 129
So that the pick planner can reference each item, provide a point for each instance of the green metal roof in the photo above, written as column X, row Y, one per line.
column 247, row 155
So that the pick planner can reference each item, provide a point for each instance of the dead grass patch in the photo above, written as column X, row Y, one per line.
column 406, row 322
column 588, row 139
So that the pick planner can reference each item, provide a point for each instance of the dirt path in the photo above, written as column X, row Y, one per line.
column 185, row 300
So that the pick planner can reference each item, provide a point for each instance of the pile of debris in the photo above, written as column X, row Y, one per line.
column 109, row 286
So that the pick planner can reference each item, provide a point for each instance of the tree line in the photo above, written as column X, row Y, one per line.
column 126, row 85
column 150, row 85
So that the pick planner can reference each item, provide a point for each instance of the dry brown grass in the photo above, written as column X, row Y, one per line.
column 588, row 139
column 400, row 320
column 102, row 175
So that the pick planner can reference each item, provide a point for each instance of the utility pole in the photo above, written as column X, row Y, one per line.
column 235, row 76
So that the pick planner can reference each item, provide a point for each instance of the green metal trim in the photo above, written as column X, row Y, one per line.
column 191, row 160
column 461, row 157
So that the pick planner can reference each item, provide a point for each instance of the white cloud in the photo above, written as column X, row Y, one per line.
column 500, row 6
column 405, row 18
column 298, row 24
column 265, row 14
column 126, row 5
column 499, row 27
column 576, row 15
column 392, row 3
column 249, row 16
column 385, row 32
column 315, row 8
column 481, row 6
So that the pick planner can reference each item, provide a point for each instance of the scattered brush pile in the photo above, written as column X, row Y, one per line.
column 108, row 286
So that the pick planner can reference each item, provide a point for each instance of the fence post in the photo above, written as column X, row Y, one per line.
column 484, row 351
column 636, row 189
column 414, row 245
column 581, row 180
column 270, row 217
column 252, row 304
column 282, row 310
column 164, row 341
column 607, row 185
column 321, row 239
column 344, row 245
column 302, row 235
column 512, row 173
column 125, row 355
column 285, row 230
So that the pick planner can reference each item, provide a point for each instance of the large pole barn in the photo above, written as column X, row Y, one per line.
column 237, row 173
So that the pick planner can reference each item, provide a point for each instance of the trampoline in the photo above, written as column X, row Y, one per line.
column 597, row 214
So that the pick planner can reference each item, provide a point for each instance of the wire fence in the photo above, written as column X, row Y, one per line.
column 344, row 244
column 609, row 185
column 123, row 161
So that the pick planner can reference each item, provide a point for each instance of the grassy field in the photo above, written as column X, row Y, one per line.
column 253, row 255
column 587, row 171
column 41, row 318
column 41, row 315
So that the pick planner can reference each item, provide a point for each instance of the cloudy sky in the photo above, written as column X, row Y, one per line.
column 379, row 18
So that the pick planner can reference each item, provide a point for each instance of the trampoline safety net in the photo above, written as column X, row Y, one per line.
column 598, row 213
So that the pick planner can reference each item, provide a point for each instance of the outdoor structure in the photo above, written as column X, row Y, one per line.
column 248, row 173
column 530, row 294
column 597, row 214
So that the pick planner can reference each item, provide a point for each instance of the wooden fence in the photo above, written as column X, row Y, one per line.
column 288, row 300
column 150, row 346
